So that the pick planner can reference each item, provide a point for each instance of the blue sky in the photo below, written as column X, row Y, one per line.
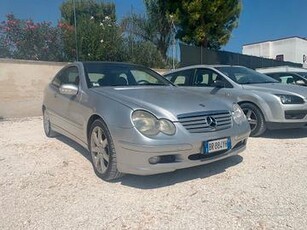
column 260, row 20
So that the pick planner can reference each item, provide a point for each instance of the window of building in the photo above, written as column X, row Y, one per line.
column 280, row 57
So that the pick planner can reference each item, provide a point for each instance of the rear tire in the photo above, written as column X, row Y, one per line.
column 47, row 125
column 255, row 119
column 103, row 152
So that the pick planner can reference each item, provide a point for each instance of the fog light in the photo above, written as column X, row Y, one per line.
column 154, row 160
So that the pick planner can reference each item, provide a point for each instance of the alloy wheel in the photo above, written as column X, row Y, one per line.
column 251, row 118
column 100, row 150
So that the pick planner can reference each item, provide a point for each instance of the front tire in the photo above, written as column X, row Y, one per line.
column 103, row 152
column 255, row 119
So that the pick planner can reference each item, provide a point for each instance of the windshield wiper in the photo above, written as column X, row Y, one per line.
column 264, row 82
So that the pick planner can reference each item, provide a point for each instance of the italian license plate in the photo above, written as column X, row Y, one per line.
column 217, row 145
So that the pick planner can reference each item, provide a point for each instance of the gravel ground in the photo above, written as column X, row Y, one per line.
column 50, row 184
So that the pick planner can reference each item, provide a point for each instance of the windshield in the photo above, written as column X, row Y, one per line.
column 115, row 74
column 303, row 74
column 242, row 75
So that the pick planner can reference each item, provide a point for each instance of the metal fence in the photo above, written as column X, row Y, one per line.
column 193, row 55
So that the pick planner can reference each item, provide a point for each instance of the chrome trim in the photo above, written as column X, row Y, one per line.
column 202, row 122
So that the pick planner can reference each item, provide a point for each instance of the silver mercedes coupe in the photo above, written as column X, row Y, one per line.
column 132, row 120
column 266, row 103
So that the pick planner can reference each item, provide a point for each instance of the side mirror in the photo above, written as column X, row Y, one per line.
column 219, row 84
column 69, row 89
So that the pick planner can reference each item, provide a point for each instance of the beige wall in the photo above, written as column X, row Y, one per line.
column 22, row 84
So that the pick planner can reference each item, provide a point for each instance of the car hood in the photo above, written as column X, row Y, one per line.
column 164, row 101
column 278, row 88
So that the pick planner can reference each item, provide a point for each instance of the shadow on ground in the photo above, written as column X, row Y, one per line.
column 285, row 134
column 182, row 175
column 165, row 179
column 75, row 146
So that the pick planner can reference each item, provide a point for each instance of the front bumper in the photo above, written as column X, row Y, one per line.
column 133, row 155
column 280, row 116
column 286, row 125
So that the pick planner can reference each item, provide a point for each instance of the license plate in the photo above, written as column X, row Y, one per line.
column 217, row 145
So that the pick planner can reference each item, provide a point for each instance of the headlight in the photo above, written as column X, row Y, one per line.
column 237, row 114
column 146, row 123
column 290, row 99
column 149, row 125
column 167, row 127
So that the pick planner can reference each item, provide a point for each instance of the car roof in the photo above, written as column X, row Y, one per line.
column 110, row 63
column 202, row 66
column 212, row 66
column 289, row 72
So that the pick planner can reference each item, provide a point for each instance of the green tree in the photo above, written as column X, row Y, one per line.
column 98, row 35
column 144, row 53
column 4, row 50
column 24, row 39
column 155, row 26
column 206, row 23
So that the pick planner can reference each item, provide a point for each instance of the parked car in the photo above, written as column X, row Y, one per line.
column 288, row 78
column 303, row 74
column 132, row 120
column 265, row 102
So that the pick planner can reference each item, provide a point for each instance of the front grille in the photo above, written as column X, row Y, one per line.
column 202, row 122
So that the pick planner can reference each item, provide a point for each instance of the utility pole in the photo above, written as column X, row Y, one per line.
column 131, row 31
column 75, row 22
column 173, row 41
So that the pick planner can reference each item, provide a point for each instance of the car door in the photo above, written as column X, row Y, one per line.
column 78, row 109
column 64, row 108
column 213, row 83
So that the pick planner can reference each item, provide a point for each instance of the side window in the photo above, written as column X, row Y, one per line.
column 181, row 78
column 287, row 79
column 169, row 77
column 57, row 80
column 67, row 76
column 202, row 78
column 275, row 76
column 205, row 78
column 123, row 75
column 141, row 76
column 208, row 77
column 95, row 78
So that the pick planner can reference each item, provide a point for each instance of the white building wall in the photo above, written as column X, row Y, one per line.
column 285, row 47
column 293, row 49
column 259, row 50
column 301, row 51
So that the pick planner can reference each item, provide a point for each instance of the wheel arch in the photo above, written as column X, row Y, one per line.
column 253, row 103
column 111, row 172
column 257, row 122
column 90, row 121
